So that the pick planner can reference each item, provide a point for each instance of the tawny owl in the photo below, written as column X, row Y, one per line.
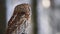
column 18, row 22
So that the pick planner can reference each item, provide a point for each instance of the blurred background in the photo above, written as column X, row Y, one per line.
column 45, row 15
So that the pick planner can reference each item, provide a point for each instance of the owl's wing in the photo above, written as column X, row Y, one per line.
column 14, row 22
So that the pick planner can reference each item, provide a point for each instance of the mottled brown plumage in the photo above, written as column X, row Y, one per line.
column 20, row 15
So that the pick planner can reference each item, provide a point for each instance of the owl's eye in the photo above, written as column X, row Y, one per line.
column 22, row 12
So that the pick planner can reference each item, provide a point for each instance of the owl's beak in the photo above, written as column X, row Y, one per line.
column 27, row 15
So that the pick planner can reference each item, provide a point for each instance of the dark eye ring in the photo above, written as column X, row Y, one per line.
column 22, row 12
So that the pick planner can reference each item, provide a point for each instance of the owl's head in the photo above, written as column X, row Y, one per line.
column 22, row 9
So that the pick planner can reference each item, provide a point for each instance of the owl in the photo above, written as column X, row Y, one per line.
column 19, row 20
